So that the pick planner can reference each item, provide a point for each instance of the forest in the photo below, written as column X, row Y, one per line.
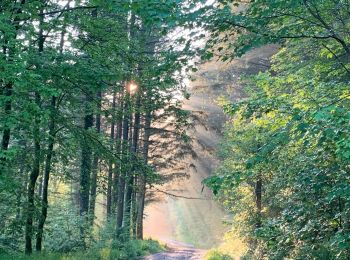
column 92, row 121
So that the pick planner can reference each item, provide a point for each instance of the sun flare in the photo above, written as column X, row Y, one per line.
column 132, row 88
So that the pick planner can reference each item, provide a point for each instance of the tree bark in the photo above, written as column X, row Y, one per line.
column 124, row 165
column 110, row 165
column 46, row 176
column 8, row 87
column 36, row 162
column 117, row 168
column 7, row 110
column 258, row 195
column 130, row 184
column 48, row 166
column 94, row 170
column 31, row 185
column 142, row 178
column 85, row 171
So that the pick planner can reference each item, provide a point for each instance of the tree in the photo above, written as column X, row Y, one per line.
column 289, row 132
column 66, row 115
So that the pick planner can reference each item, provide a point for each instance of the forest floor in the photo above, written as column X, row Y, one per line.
column 178, row 251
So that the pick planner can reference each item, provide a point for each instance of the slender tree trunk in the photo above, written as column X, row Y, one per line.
column 110, row 165
column 129, row 177
column 124, row 166
column 86, row 153
column 40, row 186
column 48, row 162
column 142, row 178
column 134, row 208
column 46, row 176
column 24, row 176
column 85, row 171
column 31, row 185
column 93, row 188
column 7, row 92
column 127, row 168
column 109, row 190
column 7, row 110
column 20, row 191
column 117, row 168
column 127, row 209
column 37, row 150
column 86, row 156
column 94, row 171
column 130, row 184
column 8, row 87
column 258, row 194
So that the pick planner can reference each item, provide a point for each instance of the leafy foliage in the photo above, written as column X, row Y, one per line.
column 291, row 133
column 71, row 125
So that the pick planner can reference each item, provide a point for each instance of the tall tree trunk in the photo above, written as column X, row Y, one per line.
column 8, row 86
column 142, row 178
column 46, row 176
column 117, row 168
column 86, row 153
column 130, row 177
column 86, row 156
column 85, row 171
column 7, row 110
column 32, row 181
column 48, row 162
column 94, row 171
column 124, row 166
column 7, row 91
column 110, row 165
column 109, row 190
column 22, row 188
column 37, row 150
column 134, row 208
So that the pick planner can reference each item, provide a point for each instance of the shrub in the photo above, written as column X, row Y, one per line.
column 217, row 255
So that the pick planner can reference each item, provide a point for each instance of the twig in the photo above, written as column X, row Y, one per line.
column 179, row 196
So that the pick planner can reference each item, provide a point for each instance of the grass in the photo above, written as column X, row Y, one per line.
column 131, row 250
column 217, row 255
column 233, row 247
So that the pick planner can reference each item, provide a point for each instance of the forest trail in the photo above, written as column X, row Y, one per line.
column 178, row 251
column 176, row 219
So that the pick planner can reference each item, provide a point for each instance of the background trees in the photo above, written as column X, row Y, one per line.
column 287, row 140
column 80, row 85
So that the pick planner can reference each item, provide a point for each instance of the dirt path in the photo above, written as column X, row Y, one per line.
column 178, row 251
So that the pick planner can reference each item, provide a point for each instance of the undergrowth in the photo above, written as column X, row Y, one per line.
column 130, row 250
column 217, row 255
